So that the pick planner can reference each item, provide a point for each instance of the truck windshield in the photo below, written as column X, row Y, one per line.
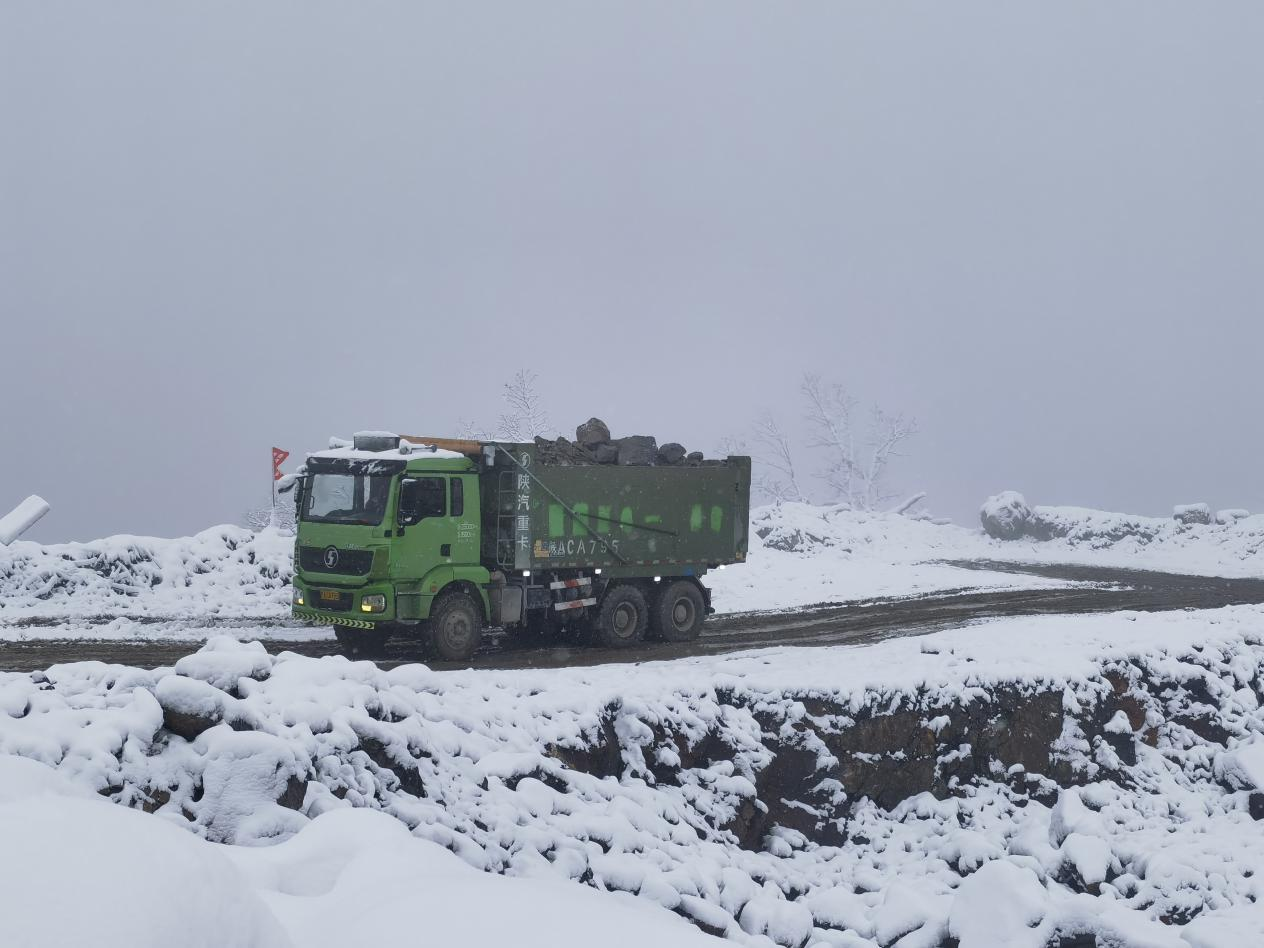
column 346, row 498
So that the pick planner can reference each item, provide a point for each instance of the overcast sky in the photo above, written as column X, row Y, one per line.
column 1037, row 227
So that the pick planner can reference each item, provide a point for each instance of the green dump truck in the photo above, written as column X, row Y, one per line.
column 446, row 538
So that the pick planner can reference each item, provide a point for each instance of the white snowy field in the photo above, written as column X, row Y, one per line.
column 803, row 554
column 78, row 870
column 738, row 792
column 227, row 580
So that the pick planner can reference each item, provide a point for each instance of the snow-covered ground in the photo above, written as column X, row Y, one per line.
column 229, row 580
column 1096, row 537
column 78, row 870
column 730, row 791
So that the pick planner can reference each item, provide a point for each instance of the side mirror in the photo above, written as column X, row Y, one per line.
column 299, row 486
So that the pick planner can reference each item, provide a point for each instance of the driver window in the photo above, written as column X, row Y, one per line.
column 420, row 498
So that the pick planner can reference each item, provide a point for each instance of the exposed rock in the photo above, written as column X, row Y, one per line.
column 638, row 449
column 592, row 433
column 185, row 724
column 606, row 453
column 694, row 457
column 294, row 794
column 671, row 453
column 189, row 706
column 562, row 451
column 1189, row 514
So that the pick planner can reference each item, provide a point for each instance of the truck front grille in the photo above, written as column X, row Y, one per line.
column 313, row 559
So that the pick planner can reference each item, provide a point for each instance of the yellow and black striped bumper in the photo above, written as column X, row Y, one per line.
column 320, row 618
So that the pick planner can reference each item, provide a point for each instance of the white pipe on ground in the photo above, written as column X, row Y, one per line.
column 22, row 518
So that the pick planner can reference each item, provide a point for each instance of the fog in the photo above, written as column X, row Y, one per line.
column 1037, row 228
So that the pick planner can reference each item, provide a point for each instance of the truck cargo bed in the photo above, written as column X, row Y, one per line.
column 677, row 520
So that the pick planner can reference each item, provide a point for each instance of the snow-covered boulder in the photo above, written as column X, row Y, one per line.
column 785, row 923
column 998, row 905
column 1006, row 516
column 1227, row 518
column 190, row 706
column 1242, row 767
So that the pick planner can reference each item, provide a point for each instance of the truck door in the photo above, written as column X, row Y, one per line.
column 427, row 534
column 463, row 512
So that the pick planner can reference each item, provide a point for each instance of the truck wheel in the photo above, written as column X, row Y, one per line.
column 678, row 612
column 361, row 643
column 623, row 617
column 456, row 627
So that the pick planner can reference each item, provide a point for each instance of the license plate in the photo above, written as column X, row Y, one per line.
column 330, row 595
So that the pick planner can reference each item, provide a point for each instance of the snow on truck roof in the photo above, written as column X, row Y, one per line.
column 381, row 446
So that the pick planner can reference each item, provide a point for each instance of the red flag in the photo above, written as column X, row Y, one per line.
column 278, row 458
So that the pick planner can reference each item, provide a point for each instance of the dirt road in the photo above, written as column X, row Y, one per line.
column 826, row 624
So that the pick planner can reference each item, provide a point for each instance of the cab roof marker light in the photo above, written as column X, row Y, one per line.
column 526, row 572
column 658, row 579
column 597, row 571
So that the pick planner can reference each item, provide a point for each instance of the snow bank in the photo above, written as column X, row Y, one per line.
column 222, row 572
column 1192, row 541
column 79, row 871
column 1073, row 534
column 803, row 555
column 1015, row 782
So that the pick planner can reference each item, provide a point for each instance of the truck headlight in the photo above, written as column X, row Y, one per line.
column 298, row 596
column 373, row 604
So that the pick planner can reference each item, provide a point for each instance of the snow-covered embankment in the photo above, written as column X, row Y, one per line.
column 1013, row 783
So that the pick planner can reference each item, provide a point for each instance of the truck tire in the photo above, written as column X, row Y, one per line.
column 455, row 626
column 622, row 618
column 361, row 643
column 678, row 612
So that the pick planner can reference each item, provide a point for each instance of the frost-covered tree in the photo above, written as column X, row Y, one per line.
column 857, row 461
column 779, row 478
column 763, row 484
column 283, row 516
column 524, row 417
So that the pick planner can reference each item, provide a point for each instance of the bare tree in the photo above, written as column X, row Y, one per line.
column 856, row 466
column 777, row 455
column 470, row 431
column 830, row 412
column 524, row 417
column 887, row 433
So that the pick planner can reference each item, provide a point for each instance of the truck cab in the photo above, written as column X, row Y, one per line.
column 380, row 536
